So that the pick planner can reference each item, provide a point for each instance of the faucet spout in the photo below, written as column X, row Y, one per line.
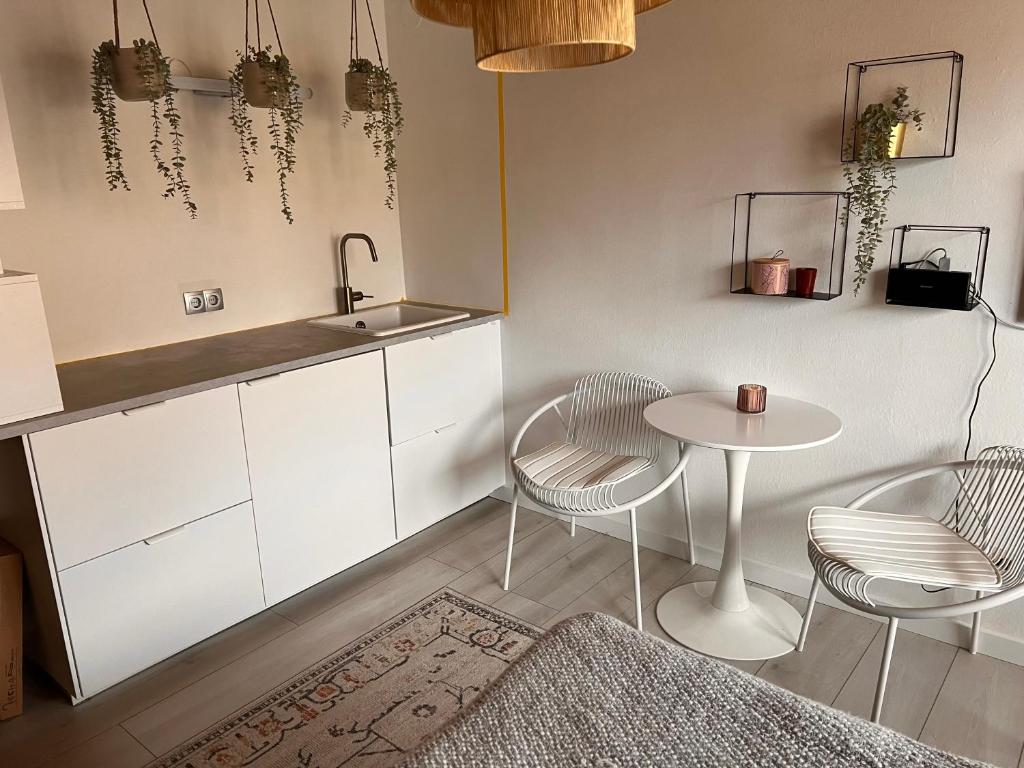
column 348, row 297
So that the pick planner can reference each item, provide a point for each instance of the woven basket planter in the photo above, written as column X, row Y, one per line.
column 357, row 93
column 128, row 84
column 255, row 88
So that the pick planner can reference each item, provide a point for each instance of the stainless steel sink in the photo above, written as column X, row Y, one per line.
column 389, row 319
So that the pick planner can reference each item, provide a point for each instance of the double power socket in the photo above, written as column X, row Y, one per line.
column 211, row 300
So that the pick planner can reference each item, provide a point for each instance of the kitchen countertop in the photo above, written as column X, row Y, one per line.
column 104, row 385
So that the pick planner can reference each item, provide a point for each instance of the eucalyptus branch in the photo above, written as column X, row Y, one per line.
column 104, row 105
column 241, row 121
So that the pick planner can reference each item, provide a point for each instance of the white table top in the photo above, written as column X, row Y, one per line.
column 710, row 419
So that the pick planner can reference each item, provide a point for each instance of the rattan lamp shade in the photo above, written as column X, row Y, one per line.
column 647, row 5
column 457, row 13
column 541, row 35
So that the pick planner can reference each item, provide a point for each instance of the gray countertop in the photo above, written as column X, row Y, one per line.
column 104, row 385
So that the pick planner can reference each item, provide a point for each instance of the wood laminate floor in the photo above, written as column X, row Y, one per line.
column 972, row 705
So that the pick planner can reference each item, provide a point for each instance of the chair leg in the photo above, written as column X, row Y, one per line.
column 636, row 571
column 976, row 628
column 686, row 513
column 883, row 672
column 572, row 526
column 511, row 537
column 811, row 599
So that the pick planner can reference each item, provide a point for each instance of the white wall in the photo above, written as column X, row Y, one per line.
column 451, row 225
column 113, row 265
column 621, row 203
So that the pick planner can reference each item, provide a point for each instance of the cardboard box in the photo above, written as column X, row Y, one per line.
column 10, row 632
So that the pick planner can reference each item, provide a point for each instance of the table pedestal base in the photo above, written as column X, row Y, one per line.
column 768, row 628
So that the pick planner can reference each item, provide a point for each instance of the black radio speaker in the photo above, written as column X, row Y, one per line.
column 929, row 288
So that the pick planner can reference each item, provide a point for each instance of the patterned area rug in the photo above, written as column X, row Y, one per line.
column 373, row 701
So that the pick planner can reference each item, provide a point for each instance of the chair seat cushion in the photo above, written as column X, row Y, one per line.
column 902, row 547
column 569, row 467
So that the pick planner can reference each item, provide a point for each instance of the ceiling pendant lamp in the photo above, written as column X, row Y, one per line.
column 541, row 35
column 643, row 6
column 456, row 13
column 459, row 13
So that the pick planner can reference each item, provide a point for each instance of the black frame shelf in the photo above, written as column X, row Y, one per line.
column 899, row 239
column 852, row 107
column 739, row 283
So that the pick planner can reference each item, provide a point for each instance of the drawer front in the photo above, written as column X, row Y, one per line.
column 321, row 470
column 439, row 473
column 137, row 606
column 112, row 481
column 435, row 382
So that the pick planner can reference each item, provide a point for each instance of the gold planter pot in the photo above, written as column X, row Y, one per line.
column 896, row 138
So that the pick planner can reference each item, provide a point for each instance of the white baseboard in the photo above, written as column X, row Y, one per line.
column 995, row 644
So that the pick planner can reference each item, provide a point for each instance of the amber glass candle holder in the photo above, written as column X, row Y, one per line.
column 751, row 398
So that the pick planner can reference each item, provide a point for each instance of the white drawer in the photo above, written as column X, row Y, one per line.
column 443, row 471
column 112, row 481
column 438, row 381
column 137, row 606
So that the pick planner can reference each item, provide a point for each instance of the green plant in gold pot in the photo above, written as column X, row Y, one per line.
column 139, row 73
column 871, row 177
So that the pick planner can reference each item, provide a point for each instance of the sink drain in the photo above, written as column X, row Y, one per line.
column 360, row 324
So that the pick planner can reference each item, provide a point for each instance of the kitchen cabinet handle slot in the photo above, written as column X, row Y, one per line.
column 262, row 380
column 165, row 535
column 445, row 428
column 148, row 407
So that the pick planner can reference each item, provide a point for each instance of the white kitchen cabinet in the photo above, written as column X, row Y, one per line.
column 10, row 182
column 134, row 607
column 320, row 466
column 447, row 430
column 117, row 479
column 443, row 471
column 28, row 378
column 438, row 381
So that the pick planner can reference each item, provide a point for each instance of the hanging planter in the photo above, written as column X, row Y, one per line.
column 264, row 80
column 371, row 89
column 139, row 73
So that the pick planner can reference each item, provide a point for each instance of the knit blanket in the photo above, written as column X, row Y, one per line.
column 595, row 692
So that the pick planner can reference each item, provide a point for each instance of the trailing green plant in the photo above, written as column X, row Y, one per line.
column 383, row 121
column 871, row 177
column 284, row 114
column 104, row 105
column 154, row 71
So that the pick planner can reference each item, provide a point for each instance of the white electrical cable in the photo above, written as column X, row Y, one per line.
column 1008, row 324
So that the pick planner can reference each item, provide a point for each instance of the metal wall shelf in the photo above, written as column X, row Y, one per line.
column 897, row 262
column 852, row 107
column 739, row 274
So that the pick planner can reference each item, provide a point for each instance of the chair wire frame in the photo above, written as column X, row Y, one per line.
column 987, row 511
column 607, row 415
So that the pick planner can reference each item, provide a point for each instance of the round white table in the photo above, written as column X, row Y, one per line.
column 725, row 618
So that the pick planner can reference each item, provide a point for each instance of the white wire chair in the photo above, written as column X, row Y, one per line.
column 607, row 441
column 978, row 544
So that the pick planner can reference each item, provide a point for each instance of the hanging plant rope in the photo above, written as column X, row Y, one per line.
column 261, row 79
column 148, row 80
column 370, row 88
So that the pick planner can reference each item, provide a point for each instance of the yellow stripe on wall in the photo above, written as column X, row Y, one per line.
column 504, row 194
